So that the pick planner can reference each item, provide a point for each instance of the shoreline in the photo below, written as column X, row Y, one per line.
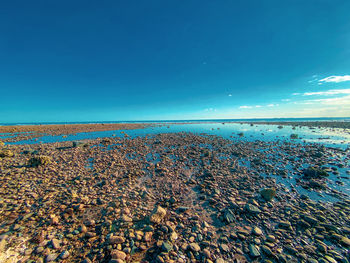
column 314, row 124
column 10, row 134
column 58, row 129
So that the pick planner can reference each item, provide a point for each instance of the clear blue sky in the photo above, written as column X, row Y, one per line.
column 159, row 59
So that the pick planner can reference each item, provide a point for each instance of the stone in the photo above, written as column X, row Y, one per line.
column 284, row 224
column 257, row 231
column 55, row 243
column 268, row 193
column 126, row 218
column 224, row 247
column 148, row 236
column 271, row 238
column 266, row 250
column 206, row 253
column 51, row 257
column 330, row 259
column 117, row 254
column 116, row 240
column 314, row 172
column 157, row 215
column 64, row 254
column 167, row 247
column 229, row 216
column 254, row 252
column 252, row 209
column 345, row 241
column 194, row 247
column 54, row 220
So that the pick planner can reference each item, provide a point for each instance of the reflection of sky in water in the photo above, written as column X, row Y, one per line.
column 326, row 136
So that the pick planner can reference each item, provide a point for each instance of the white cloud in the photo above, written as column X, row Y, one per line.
column 257, row 106
column 328, row 92
column 245, row 107
column 272, row 105
column 336, row 79
column 296, row 94
column 285, row 99
column 210, row 109
column 230, row 95
column 332, row 101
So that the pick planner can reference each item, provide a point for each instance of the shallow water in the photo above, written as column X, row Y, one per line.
column 325, row 136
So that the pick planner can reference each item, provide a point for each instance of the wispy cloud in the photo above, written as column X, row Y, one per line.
column 245, row 107
column 332, row 101
column 328, row 92
column 272, row 105
column 285, row 100
column 258, row 106
column 210, row 109
column 335, row 79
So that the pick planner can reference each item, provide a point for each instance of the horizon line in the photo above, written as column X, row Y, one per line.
column 168, row 120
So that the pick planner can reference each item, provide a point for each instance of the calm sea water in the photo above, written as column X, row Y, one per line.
column 328, row 137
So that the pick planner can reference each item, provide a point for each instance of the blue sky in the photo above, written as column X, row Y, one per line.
column 156, row 59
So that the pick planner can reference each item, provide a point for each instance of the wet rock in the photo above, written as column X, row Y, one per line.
column 314, row 172
column 229, row 216
column 254, row 252
column 252, row 209
column 345, row 241
column 257, row 231
column 266, row 250
column 268, row 193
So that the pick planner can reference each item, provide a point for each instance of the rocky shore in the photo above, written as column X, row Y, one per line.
column 176, row 197
column 312, row 124
column 28, row 132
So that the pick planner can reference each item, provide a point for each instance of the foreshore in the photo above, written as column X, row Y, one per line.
column 176, row 197
column 58, row 129
column 314, row 124
column 27, row 132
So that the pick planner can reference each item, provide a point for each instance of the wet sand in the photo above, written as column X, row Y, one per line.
column 176, row 197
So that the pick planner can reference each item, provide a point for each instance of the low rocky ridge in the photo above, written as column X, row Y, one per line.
column 170, row 198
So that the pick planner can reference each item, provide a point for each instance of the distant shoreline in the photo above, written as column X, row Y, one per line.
column 64, row 129
column 323, row 124
column 257, row 120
